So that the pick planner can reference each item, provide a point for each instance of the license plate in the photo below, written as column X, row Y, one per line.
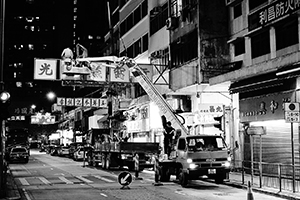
column 211, row 171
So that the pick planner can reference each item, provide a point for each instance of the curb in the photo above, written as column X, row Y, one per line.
column 265, row 191
column 12, row 192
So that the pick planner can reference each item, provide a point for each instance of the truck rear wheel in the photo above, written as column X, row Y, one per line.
column 103, row 161
column 107, row 163
column 165, row 175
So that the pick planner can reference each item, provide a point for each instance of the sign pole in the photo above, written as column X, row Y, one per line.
column 252, row 159
column 293, row 158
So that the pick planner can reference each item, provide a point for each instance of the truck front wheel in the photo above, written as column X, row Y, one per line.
column 219, row 179
column 183, row 178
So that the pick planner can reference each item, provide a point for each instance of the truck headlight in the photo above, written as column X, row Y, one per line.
column 189, row 160
column 193, row 166
column 226, row 164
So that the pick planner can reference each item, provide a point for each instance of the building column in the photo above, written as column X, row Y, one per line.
column 272, row 42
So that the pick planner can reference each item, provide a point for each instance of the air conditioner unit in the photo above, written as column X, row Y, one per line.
column 172, row 23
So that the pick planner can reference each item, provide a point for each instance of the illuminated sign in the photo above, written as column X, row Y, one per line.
column 42, row 119
column 82, row 102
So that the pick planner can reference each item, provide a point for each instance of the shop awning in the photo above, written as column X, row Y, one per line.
column 263, row 81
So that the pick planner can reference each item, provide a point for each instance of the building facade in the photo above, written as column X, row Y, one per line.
column 264, row 38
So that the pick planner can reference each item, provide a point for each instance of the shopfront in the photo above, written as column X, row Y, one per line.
column 262, row 117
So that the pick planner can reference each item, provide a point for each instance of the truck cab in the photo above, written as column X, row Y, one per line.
column 196, row 157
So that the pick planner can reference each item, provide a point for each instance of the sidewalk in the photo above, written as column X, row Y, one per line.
column 12, row 192
column 235, row 180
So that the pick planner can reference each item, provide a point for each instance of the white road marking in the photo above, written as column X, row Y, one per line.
column 23, row 181
column 147, row 179
column 65, row 180
column 178, row 192
column 44, row 180
column 103, row 194
column 103, row 179
column 26, row 194
column 84, row 179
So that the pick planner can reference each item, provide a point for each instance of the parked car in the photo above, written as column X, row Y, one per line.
column 63, row 151
column 81, row 152
column 19, row 153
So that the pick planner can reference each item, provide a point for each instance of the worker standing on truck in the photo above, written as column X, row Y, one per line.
column 168, row 133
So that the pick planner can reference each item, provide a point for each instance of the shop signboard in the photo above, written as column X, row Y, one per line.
column 207, row 111
column 268, row 107
column 272, row 12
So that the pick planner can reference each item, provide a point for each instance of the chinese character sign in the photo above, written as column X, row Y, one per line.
column 45, row 69
column 82, row 102
column 207, row 112
column 272, row 12
column 97, row 72
column 119, row 74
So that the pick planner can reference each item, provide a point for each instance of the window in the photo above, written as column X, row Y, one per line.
column 256, row 3
column 239, row 47
column 158, row 21
column 137, row 48
column 137, row 15
column 145, row 43
column 185, row 49
column 237, row 10
column 286, row 34
column 260, row 44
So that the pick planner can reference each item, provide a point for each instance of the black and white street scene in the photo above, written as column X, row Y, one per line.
column 149, row 99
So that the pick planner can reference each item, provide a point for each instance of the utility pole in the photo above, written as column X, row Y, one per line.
column 2, row 133
column 109, row 92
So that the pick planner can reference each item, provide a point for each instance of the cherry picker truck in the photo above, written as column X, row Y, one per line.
column 194, row 156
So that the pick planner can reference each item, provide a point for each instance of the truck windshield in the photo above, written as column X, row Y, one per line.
column 207, row 143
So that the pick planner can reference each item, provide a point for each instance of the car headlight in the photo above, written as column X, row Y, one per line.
column 189, row 160
column 193, row 166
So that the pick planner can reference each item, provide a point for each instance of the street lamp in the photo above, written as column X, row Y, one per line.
column 51, row 95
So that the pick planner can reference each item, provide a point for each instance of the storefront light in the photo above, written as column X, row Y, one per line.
column 268, row 123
